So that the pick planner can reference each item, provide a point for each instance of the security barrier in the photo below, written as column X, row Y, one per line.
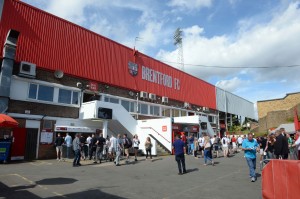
column 281, row 179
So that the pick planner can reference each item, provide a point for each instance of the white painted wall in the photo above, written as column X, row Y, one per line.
column 155, row 128
column 89, row 111
column 20, row 87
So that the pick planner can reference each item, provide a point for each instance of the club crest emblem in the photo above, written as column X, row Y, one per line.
column 133, row 68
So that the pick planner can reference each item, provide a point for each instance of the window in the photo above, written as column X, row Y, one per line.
column 114, row 100
column 67, row 96
column 75, row 97
column 132, row 107
column 175, row 113
column 64, row 96
column 166, row 112
column 111, row 100
column 125, row 104
column 45, row 93
column 144, row 109
column 183, row 113
column 154, row 110
column 32, row 91
column 211, row 119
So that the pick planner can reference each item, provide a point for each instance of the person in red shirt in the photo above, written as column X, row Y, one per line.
column 183, row 138
column 234, row 147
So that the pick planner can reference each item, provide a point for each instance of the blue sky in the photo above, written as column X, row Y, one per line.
column 227, row 33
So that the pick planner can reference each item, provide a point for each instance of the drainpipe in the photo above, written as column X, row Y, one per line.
column 9, row 52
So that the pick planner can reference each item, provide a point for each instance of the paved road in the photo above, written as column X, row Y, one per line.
column 142, row 179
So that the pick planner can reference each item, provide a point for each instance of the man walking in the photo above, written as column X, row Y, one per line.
column 118, row 148
column 281, row 147
column 225, row 142
column 93, row 147
column 58, row 144
column 76, row 148
column 68, row 141
column 99, row 150
column 250, row 147
column 179, row 148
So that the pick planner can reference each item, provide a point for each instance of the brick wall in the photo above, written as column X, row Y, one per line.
column 276, row 118
column 286, row 103
column 42, row 109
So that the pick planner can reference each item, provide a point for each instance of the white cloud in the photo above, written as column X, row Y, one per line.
column 275, row 43
column 150, row 34
column 72, row 10
column 230, row 85
column 190, row 4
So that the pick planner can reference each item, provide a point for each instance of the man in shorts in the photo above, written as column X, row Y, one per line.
column 216, row 145
column 127, row 146
column 225, row 142
column 58, row 145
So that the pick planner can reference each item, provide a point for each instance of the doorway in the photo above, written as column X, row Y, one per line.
column 31, row 143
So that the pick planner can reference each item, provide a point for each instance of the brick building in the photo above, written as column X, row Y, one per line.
column 272, row 113
column 59, row 77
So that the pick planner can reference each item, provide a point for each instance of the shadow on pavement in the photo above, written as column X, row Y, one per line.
column 56, row 181
column 192, row 170
column 258, row 175
column 21, row 192
column 156, row 159
column 17, row 192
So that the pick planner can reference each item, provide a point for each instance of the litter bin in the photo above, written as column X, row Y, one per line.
column 4, row 151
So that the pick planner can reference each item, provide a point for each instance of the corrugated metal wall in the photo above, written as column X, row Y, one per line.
column 53, row 43
column 230, row 103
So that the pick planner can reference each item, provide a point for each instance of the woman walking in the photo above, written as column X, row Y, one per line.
column 196, row 148
column 207, row 150
column 270, row 146
column 136, row 143
column 148, row 147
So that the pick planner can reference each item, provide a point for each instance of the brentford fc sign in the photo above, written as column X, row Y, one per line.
column 132, row 68
column 154, row 76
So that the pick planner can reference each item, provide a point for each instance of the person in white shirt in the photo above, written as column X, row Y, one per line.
column 136, row 143
column 88, row 143
column 297, row 144
column 112, row 147
column 225, row 141
column 239, row 141
column 201, row 144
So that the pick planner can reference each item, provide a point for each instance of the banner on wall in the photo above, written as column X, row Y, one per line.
column 46, row 136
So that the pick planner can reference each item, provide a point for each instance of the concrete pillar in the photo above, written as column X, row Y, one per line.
column 104, row 128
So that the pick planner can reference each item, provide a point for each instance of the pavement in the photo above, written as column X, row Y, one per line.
column 159, row 178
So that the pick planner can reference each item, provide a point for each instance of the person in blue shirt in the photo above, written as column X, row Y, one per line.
column 250, row 146
column 179, row 148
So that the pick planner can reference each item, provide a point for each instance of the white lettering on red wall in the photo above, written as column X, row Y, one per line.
column 159, row 78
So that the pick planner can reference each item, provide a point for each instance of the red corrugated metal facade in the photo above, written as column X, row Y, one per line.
column 53, row 43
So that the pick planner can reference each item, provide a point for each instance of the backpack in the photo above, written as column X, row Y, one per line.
column 224, row 141
column 128, row 142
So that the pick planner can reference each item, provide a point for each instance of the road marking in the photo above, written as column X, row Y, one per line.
column 58, row 194
column 39, row 163
column 32, row 183
column 103, row 165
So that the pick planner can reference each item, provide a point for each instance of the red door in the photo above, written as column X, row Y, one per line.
column 18, row 146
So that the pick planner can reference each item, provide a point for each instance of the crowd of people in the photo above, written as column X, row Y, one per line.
column 278, row 145
column 97, row 148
